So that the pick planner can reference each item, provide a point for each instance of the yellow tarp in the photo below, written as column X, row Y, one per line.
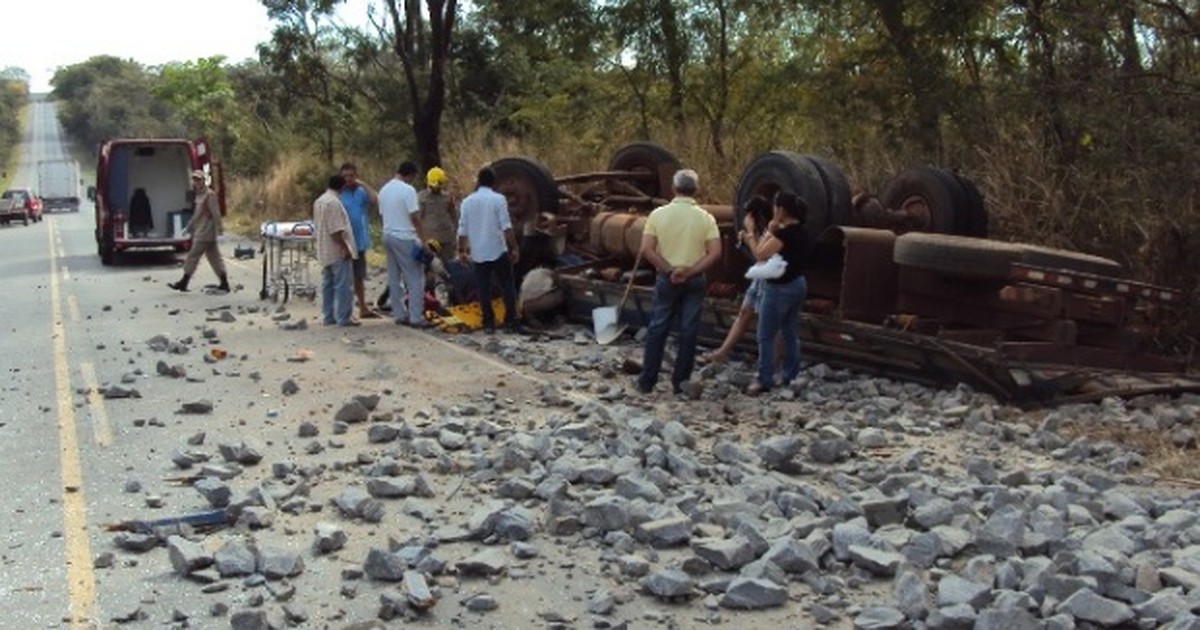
column 467, row 317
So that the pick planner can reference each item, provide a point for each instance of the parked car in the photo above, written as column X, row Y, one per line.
column 20, row 204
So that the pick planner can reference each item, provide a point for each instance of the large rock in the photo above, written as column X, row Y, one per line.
column 488, row 562
column 667, row 532
column 880, row 563
column 235, row 558
column 754, row 594
column 911, row 595
column 793, row 556
column 954, row 590
column 727, row 554
column 1086, row 605
column 276, row 564
column 187, row 556
column 329, row 538
column 668, row 584
column 880, row 618
column 352, row 411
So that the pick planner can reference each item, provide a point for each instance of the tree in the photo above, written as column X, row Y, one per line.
column 302, row 52
column 107, row 97
column 424, row 55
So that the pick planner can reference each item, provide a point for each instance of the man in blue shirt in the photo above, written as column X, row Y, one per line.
column 356, row 197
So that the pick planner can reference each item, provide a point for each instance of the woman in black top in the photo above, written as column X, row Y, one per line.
column 783, row 297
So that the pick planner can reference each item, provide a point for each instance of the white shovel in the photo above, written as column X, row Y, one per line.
column 606, row 319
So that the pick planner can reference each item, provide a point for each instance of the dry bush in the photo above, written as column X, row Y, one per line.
column 285, row 193
column 1163, row 458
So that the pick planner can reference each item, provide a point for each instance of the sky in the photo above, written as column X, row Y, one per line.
column 53, row 33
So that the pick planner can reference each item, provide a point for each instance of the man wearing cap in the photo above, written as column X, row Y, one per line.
column 438, row 213
column 356, row 197
column 404, row 244
column 204, row 227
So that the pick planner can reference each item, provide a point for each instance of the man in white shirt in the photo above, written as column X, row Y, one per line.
column 336, row 252
column 485, row 237
column 403, row 241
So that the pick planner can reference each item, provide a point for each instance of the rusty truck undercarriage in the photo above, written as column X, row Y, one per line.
column 904, row 284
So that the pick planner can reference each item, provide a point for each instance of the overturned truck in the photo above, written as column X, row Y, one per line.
column 904, row 284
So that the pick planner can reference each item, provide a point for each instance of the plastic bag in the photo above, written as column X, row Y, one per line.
column 768, row 269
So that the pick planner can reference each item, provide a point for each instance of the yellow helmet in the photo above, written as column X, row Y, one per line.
column 436, row 177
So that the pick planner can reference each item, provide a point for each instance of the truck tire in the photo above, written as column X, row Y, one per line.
column 648, row 157
column 108, row 254
column 957, row 256
column 528, row 186
column 772, row 172
column 837, row 190
column 1072, row 261
column 940, row 191
column 977, row 218
column 968, row 257
column 26, row 219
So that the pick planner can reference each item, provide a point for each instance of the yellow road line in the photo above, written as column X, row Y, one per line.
column 100, row 426
column 81, row 581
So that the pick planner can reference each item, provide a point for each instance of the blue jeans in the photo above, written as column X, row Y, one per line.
column 337, row 294
column 684, row 301
column 402, row 266
column 779, row 314
column 500, row 269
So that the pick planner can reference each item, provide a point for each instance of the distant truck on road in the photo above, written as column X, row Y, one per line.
column 58, row 184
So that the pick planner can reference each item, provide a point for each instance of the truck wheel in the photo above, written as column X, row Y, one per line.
column 1071, row 261
column 528, row 186
column 648, row 157
column 977, row 218
column 940, row 192
column 772, row 172
column 26, row 219
column 837, row 189
column 108, row 254
column 957, row 256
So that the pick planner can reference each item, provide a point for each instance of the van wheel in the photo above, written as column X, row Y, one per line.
column 26, row 219
column 108, row 255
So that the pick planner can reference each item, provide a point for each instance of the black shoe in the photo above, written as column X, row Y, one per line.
column 179, row 286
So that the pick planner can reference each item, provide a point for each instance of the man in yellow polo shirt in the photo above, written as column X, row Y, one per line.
column 681, row 242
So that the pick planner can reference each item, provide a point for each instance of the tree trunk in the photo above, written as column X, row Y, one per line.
column 921, row 73
column 1040, row 44
column 408, row 31
column 675, row 56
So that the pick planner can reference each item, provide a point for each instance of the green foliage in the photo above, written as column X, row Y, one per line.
column 1077, row 117
column 14, row 92
column 106, row 97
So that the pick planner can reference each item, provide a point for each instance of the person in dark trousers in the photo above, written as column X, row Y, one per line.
column 783, row 297
column 204, row 227
column 486, row 239
column 357, row 197
column 681, row 242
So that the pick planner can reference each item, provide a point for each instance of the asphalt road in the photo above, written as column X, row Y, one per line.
column 67, row 453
